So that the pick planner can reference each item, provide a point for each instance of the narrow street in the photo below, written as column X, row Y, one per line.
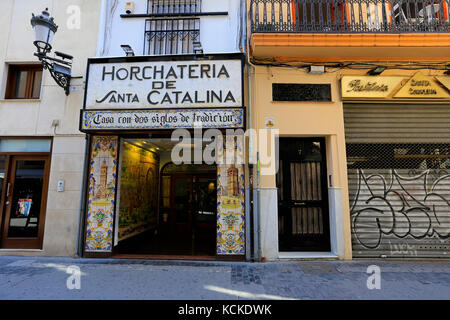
column 47, row 278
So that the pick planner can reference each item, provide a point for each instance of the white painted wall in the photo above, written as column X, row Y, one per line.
column 218, row 34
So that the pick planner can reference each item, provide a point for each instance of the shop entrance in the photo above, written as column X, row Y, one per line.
column 164, row 208
column 24, row 182
column 191, row 212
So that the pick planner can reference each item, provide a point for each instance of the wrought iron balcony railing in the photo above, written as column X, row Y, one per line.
column 351, row 16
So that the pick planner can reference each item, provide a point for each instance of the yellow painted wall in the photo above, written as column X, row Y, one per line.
column 303, row 119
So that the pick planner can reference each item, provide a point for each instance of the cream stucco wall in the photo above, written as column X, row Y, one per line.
column 30, row 118
column 302, row 119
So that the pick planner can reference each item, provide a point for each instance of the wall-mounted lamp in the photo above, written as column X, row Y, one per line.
column 376, row 71
column 44, row 30
column 129, row 7
column 128, row 50
column 198, row 47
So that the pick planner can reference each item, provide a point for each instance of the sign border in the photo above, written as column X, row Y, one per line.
column 82, row 111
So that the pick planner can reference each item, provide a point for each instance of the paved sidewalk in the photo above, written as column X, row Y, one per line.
column 46, row 278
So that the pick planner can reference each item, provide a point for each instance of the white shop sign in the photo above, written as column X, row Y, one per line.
column 92, row 120
column 164, row 84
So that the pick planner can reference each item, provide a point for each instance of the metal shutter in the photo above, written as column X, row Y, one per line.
column 398, row 159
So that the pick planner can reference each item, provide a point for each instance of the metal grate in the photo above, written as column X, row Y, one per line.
column 398, row 158
column 349, row 16
column 301, row 92
column 173, row 7
column 171, row 36
column 399, row 199
column 415, row 157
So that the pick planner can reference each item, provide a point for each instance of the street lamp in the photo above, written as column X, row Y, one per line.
column 44, row 30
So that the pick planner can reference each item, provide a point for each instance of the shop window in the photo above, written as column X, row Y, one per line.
column 25, row 145
column 174, row 29
column 24, row 82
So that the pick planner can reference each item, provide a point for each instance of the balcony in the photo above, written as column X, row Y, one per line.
column 281, row 27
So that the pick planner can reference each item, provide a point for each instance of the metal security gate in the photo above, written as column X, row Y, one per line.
column 398, row 159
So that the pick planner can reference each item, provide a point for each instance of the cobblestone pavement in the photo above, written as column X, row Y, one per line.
column 47, row 278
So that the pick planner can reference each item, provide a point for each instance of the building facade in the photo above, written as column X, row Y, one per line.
column 359, row 93
column 228, row 130
column 42, row 151
column 164, row 110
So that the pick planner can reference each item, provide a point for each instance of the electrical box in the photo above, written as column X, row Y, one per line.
column 60, row 187
column 129, row 7
column 317, row 69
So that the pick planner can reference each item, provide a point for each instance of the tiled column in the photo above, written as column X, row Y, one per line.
column 231, row 204
column 101, row 194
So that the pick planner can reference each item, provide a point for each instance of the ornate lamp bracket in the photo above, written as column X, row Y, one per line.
column 60, row 70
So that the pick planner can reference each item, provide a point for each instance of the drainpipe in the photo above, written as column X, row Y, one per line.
column 256, row 252
column 249, row 209
column 102, row 28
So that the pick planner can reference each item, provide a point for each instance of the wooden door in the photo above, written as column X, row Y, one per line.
column 25, row 202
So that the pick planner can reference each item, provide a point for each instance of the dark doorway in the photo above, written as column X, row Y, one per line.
column 191, row 214
column 303, row 221
column 186, row 223
column 25, row 194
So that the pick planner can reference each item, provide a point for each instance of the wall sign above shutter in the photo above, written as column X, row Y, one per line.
column 421, row 86
column 369, row 87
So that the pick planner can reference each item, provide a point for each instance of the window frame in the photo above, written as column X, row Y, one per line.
column 13, row 71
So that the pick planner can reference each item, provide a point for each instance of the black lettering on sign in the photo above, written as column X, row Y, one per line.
column 301, row 92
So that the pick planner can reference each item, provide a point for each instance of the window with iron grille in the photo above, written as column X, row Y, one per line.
column 173, row 6
column 173, row 30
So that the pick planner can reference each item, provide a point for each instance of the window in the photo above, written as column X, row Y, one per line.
column 173, row 6
column 172, row 29
column 24, row 82
column 171, row 36
column 301, row 92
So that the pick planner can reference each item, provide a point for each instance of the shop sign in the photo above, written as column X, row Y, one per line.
column 164, row 84
column 445, row 81
column 421, row 86
column 368, row 87
column 92, row 120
